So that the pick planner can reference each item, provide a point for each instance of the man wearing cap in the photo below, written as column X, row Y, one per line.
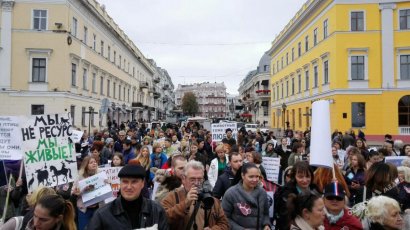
column 337, row 216
column 130, row 210
column 127, row 151
column 229, row 139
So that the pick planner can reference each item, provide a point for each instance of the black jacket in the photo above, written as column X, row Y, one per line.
column 112, row 216
column 223, row 182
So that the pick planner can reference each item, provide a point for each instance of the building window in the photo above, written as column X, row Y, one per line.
column 72, row 114
column 299, row 83
column 281, row 63
column 123, row 94
column 293, row 54
column 357, row 21
column 119, row 57
column 325, row 29
column 115, row 57
column 40, row 19
column 358, row 114
column 94, row 41
column 85, row 35
column 405, row 19
column 300, row 117
column 405, row 67
column 306, row 43
column 133, row 71
column 108, row 88
column 277, row 92
column 115, row 89
column 101, row 85
column 287, row 88
column 282, row 90
column 326, row 72
column 73, row 74
column 93, row 85
column 74, row 27
column 85, row 73
column 39, row 70
column 307, row 80
column 357, row 67
column 287, row 58
column 83, row 116
column 299, row 49
column 315, row 77
column 277, row 66
column 308, row 114
column 102, row 48
column 119, row 92
column 37, row 109
column 92, row 119
column 404, row 111
column 315, row 37
column 293, row 86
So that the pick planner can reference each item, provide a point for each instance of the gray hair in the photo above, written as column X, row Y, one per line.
column 194, row 165
column 377, row 208
column 398, row 144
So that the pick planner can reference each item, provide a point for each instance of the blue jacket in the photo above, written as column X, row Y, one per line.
column 158, row 160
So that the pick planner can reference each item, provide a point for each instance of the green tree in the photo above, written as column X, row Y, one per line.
column 189, row 104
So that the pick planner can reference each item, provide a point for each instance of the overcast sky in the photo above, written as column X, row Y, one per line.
column 203, row 40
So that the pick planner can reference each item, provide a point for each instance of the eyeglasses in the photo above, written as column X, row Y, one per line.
column 334, row 198
column 196, row 180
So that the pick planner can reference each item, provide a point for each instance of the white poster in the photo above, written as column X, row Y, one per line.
column 321, row 143
column 271, row 202
column 218, row 130
column 49, row 156
column 271, row 166
column 77, row 135
column 10, row 138
column 396, row 160
column 98, row 190
column 112, row 175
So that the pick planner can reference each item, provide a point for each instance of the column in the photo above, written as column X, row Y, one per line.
column 5, row 43
column 387, row 44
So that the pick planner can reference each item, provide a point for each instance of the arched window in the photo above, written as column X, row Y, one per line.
column 404, row 111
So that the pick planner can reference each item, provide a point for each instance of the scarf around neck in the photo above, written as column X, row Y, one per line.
column 333, row 219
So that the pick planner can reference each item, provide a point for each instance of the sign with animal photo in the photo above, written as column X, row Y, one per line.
column 48, row 153
column 112, row 175
column 96, row 189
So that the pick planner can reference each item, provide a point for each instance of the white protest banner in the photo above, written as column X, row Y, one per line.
column 112, row 175
column 49, row 157
column 271, row 166
column 396, row 160
column 155, row 189
column 99, row 192
column 218, row 130
column 321, row 143
column 77, row 135
column 271, row 202
column 10, row 138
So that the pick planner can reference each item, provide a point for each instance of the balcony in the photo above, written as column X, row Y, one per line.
column 165, row 99
column 143, row 85
column 157, row 79
column 137, row 105
column 157, row 95
column 404, row 130
column 263, row 93
column 165, row 87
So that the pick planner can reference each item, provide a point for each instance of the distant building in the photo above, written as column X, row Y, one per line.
column 211, row 98
column 356, row 55
column 255, row 93
column 67, row 57
column 233, row 106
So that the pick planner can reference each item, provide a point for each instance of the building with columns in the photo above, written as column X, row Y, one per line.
column 211, row 98
column 70, row 56
column 356, row 55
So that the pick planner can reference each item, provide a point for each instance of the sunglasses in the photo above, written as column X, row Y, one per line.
column 334, row 198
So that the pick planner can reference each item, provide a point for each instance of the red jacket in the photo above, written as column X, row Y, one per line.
column 347, row 220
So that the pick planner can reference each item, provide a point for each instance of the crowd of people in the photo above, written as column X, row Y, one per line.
column 176, row 177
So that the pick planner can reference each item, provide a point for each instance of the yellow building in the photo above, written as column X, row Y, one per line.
column 68, row 56
column 354, row 53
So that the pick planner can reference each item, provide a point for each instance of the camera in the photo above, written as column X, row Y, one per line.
column 205, row 196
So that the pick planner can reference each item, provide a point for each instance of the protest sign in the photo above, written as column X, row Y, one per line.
column 271, row 166
column 396, row 160
column 99, row 192
column 112, row 175
column 77, row 135
column 218, row 130
column 321, row 143
column 49, row 156
column 271, row 202
column 10, row 138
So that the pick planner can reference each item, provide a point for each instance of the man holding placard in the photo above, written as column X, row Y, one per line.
column 130, row 210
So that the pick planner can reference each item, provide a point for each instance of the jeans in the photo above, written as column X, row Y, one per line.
column 84, row 218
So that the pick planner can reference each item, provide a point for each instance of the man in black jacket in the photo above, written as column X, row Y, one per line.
column 226, row 180
column 130, row 210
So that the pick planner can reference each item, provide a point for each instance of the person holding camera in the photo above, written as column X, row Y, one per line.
column 246, row 204
column 192, row 206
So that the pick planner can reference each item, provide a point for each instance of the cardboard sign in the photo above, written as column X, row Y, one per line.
column 396, row 160
column 100, row 191
column 49, row 155
column 271, row 166
column 10, row 138
column 112, row 175
column 218, row 130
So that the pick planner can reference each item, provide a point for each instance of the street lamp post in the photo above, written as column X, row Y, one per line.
column 283, row 117
column 89, row 112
